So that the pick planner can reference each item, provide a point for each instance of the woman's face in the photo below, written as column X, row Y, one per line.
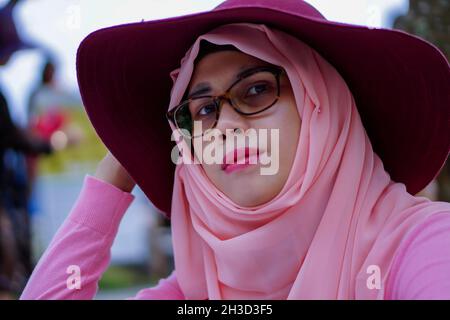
column 246, row 185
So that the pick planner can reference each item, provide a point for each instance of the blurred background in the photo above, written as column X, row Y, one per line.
column 47, row 144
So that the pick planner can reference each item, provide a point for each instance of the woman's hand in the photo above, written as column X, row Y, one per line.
column 111, row 171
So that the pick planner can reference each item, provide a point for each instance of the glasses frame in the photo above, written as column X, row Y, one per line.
column 217, row 99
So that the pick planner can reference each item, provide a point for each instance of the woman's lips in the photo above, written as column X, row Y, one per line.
column 240, row 159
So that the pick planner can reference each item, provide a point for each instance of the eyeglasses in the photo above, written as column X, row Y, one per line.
column 253, row 92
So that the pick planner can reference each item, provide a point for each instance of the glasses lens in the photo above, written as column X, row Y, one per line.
column 183, row 118
column 200, row 110
column 255, row 92
column 252, row 94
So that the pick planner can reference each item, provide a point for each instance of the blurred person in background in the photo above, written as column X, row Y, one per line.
column 48, row 117
column 15, row 246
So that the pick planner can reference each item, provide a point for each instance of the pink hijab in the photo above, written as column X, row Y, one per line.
column 337, row 218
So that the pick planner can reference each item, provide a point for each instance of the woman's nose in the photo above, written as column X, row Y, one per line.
column 229, row 118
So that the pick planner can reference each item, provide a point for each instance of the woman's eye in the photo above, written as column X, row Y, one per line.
column 257, row 89
column 206, row 110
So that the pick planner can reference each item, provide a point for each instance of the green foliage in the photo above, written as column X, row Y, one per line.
column 428, row 19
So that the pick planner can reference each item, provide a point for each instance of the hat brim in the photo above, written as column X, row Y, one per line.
column 400, row 84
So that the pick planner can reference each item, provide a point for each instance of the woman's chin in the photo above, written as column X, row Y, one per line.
column 251, row 195
column 247, row 187
column 250, row 200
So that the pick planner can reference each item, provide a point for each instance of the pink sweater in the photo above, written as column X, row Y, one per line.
column 421, row 269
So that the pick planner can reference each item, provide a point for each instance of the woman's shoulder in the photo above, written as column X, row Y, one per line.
column 420, row 269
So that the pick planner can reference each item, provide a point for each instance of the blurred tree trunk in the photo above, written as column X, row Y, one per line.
column 430, row 20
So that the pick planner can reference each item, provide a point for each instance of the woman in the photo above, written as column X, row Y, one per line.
column 329, row 223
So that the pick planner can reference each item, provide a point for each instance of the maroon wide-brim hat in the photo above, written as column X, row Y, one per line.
column 401, row 85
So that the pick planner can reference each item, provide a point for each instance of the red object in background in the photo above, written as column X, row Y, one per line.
column 43, row 126
column 47, row 123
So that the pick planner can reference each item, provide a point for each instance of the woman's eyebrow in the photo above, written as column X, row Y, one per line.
column 204, row 87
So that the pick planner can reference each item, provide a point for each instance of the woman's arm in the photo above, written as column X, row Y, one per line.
column 421, row 268
column 80, row 251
